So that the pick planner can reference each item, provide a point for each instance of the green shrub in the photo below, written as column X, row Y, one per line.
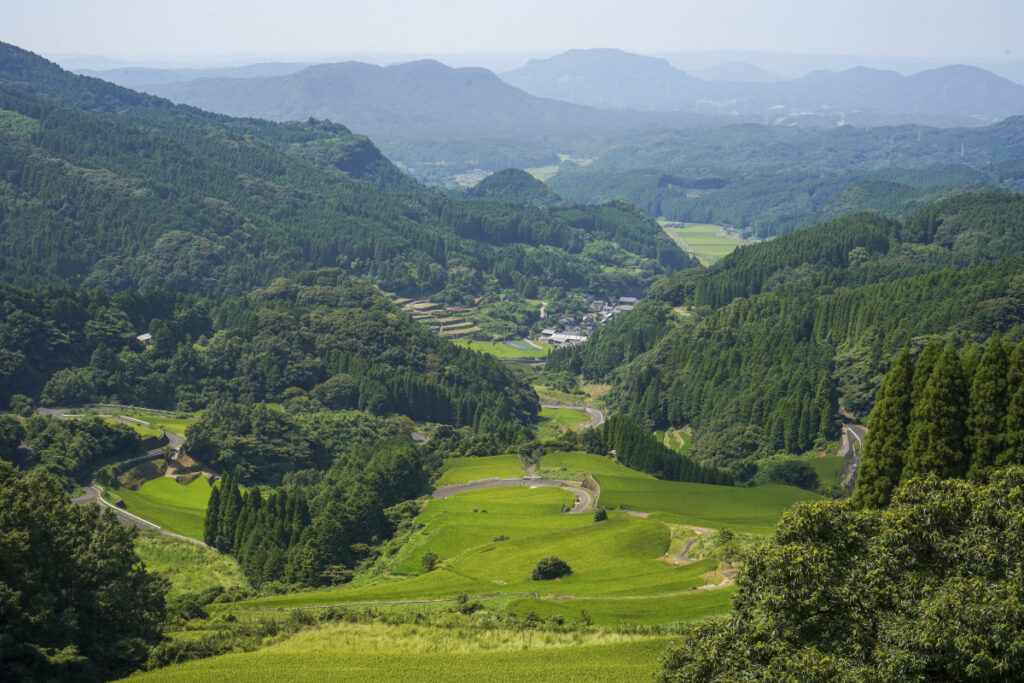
column 550, row 568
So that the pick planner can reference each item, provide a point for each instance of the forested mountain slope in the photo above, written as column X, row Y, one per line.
column 135, row 192
column 770, row 180
column 781, row 331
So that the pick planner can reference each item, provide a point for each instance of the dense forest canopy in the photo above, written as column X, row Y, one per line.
column 324, row 339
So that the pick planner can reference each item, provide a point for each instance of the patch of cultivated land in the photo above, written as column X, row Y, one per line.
column 358, row 652
column 465, row 470
column 708, row 242
column 519, row 349
column 676, row 439
column 168, row 504
column 562, row 464
column 553, row 421
column 169, row 423
column 749, row 510
column 459, row 523
column 829, row 468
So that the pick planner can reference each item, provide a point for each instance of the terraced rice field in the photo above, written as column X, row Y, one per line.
column 519, row 349
column 165, row 502
column 749, row 510
column 465, row 470
column 707, row 242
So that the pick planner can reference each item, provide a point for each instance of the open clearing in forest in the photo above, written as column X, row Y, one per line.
column 378, row 652
column 168, row 504
column 707, row 242
column 488, row 540
column 829, row 468
column 676, row 439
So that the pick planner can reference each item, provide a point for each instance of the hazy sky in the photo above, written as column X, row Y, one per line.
column 180, row 28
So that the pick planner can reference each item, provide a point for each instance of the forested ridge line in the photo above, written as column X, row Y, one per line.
column 778, row 332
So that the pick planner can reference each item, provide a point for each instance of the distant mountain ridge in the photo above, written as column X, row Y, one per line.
column 416, row 99
column 945, row 96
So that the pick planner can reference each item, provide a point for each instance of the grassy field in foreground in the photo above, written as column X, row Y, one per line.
column 346, row 652
column 503, row 350
column 750, row 510
column 465, row 470
column 704, row 240
column 659, row 610
column 170, row 505
column 190, row 568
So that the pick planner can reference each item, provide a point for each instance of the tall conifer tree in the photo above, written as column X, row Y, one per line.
column 938, row 422
column 881, row 465
column 212, row 515
column 1013, row 430
column 986, row 416
column 927, row 359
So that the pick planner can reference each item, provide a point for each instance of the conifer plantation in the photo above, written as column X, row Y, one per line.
column 956, row 425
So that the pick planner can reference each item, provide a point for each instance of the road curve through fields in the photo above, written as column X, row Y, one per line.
column 595, row 415
column 584, row 498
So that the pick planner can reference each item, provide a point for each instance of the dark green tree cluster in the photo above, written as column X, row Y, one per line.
column 635, row 447
column 76, row 603
column 927, row 589
column 70, row 448
column 12, row 433
column 316, row 534
column 947, row 413
column 258, row 532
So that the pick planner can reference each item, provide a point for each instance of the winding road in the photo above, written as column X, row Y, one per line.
column 595, row 415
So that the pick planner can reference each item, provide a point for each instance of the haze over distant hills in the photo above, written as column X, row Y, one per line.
column 944, row 96
column 441, row 122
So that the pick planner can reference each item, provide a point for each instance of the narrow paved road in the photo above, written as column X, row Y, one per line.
column 852, row 449
column 595, row 415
